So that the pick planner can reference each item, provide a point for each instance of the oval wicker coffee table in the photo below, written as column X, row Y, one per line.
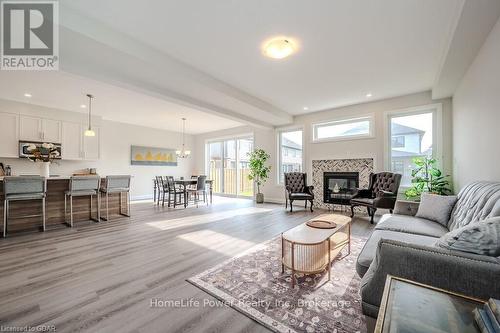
column 310, row 250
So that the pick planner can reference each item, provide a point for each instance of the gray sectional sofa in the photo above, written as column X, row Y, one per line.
column 403, row 245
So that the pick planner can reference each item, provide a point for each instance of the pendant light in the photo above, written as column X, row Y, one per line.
column 183, row 153
column 89, row 131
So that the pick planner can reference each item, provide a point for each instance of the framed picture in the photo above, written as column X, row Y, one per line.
column 140, row 155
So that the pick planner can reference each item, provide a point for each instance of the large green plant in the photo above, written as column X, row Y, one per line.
column 259, row 171
column 427, row 178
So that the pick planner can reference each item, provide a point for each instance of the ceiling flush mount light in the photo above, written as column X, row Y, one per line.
column 28, row 95
column 305, row 108
column 89, row 131
column 279, row 48
column 183, row 152
column 369, row 95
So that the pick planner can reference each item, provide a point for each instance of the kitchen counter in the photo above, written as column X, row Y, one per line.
column 56, row 186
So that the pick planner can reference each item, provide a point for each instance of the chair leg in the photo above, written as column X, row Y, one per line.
column 390, row 211
column 43, row 214
column 373, row 214
column 305, row 206
column 65, row 209
column 71, row 210
column 5, row 210
column 311, row 206
column 91, row 199
column 352, row 211
column 107, row 206
column 291, row 206
column 286, row 202
column 98, row 206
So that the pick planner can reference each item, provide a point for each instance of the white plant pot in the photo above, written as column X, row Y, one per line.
column 44, row 169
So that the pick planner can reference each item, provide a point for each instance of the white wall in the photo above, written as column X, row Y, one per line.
column 116, row 139
column 360, row 148
column 476, row 117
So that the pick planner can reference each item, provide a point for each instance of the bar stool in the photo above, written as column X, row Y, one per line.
column 80, row 186
column 116, row 184
column 21, row 189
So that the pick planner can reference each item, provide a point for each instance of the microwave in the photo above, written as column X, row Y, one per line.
column 23, row 148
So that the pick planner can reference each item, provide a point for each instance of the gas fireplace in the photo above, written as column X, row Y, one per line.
column 339, row 187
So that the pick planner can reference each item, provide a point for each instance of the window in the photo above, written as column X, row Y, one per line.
column 343, row 129
column 290, row 152
column 411, row 135
column 398, row 141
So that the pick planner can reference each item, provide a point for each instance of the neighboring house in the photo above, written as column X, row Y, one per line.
column 291, row 156
column 406, row 144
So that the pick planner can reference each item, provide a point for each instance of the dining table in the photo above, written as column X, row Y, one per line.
column 184, row 183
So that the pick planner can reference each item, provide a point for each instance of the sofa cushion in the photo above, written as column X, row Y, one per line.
column 477, row 237
column 476, row 201
column 411, row 225
column 436, row 208
column 367, row 255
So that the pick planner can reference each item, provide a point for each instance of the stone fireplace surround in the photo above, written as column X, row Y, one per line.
column 362, row 165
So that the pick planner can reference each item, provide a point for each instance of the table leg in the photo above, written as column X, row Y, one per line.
column 210, row 188
column 293, row 265
column 329, row 259
column 282, row 254
column 349, row 239
column 185, row 195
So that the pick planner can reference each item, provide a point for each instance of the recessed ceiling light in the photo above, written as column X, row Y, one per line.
column 279, row 47
column 369, row 95
column 83, row 106
column 305, row 108
column 27, row 95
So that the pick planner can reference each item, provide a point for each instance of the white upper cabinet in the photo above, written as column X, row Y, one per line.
column 9, row 135
column 91, row 149
column 40, row 129
column 71, row 143
column 51, row 130
column 30, row 129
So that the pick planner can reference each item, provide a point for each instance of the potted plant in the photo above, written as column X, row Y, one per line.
column 43, row 154
column 259, row 171
column 427, row 178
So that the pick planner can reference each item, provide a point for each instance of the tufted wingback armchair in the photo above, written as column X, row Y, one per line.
column 297, row 189
column 381, row 193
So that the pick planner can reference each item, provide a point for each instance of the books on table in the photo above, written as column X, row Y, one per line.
column 488, row 318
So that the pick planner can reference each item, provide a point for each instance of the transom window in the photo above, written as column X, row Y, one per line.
column 361, row 127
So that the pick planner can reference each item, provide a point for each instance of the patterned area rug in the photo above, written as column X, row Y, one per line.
column 253, row 284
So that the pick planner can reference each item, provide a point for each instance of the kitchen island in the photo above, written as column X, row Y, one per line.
column 56, row 186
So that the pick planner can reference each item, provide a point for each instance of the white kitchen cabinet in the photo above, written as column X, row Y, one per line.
column 91, row 144
column 30, row 129
column 9, row 135
column 51, row 130
column 71, row 143
column 40, row 129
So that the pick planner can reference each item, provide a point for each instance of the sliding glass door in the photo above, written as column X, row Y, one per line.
column 228, row 166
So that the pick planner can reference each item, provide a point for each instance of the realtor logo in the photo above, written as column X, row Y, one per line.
column 30, row 35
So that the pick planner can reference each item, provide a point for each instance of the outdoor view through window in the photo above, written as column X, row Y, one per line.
column 290, row 152
column 411, row 136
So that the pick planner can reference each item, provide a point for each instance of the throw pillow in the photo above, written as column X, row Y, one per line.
column 436, row 208
column 477, row 237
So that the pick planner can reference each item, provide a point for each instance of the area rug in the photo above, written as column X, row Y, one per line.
column 253, row 284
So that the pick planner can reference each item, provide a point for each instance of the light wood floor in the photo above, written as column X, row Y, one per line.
column 102, row 277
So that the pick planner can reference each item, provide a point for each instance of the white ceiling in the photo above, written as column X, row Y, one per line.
column 347, row 47
column 67, row 92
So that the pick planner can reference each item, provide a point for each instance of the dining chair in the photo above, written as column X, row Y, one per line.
column 161, row 188
column 200, row 188
column 174, row 191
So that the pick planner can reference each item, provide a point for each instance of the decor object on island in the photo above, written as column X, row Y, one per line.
column 152, row 156
column 427, row 178
column 89, row 131
column 259, row 171
column 183, row 152
column 43, row 154
column 297, row 189
column 381, row 193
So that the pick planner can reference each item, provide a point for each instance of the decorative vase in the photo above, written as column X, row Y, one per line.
column 44, row 169
column 259, row 198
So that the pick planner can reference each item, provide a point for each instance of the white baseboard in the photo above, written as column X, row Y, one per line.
column 141, row 197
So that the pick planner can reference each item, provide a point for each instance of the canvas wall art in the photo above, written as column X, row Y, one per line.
column 153, row 156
